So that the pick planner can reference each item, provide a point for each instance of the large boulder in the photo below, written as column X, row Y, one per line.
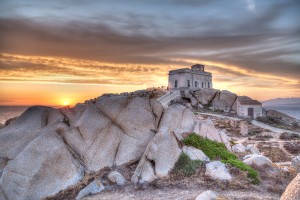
column 42, row 169
column 292, row 192
column 258, row 160
column 17, row 135
column 207, row 195
column 114, row 130
column 205, row 96
column 217, row 171
column 224, row 101
column 195, row 154
column 208, row 130
column 164, row 149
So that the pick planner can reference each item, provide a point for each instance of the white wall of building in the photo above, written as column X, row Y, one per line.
column 182, row 80
column 242, row 110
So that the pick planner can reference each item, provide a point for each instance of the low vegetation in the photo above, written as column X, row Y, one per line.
column 217, row 151
column 186, row 166
column 289, row 136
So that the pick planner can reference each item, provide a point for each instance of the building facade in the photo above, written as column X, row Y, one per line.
column 247, row 107
column 194, row 78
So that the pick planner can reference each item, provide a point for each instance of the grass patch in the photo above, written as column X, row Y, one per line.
column 217, row 151
column 186, row 166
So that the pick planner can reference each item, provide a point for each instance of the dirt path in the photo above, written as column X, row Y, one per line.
column 180, row 194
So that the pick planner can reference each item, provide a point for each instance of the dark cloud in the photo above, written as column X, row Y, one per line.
column 252, row 43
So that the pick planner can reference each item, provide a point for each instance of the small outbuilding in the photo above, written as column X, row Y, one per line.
column 247, row 107
column 194, row 78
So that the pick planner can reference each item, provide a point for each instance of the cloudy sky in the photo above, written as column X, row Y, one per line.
column 72, row 50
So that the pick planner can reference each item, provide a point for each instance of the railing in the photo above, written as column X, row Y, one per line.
column 168, row 97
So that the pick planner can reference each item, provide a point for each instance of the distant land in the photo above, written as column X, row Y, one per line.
column 282, row 101
column 289, row 106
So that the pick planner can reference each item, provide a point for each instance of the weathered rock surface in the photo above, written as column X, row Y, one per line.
column 292, row 191
column 93, row 188
column 42, row 169
column 207, row 195
column 116, row 177
column 296, row 163
column 205, row 96
column 17, row 135
column 208, row 130
column 217, row 171
column 258, row 160
column 47, row 150
column 195, row 154
column 238, row 148
column 224, row 101
column 163, row 151
column 115, row 130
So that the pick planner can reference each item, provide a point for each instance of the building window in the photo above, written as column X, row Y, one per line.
column 196, row 84
column 202, row 85
column 176, row 83
column 189, row 83
column 208, row 84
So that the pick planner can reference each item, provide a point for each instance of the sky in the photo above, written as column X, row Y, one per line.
column 59, row 51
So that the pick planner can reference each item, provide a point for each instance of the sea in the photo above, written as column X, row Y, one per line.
column 292, row 110
column 8, row 112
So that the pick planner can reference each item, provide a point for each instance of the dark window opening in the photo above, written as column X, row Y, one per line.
column 208, row 84
column 176, row 83
column 202, row 85
column 196, row 84
column 188, row 83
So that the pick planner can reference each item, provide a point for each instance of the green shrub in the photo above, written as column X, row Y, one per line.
column 186, row 166
column 252, row 174
column 215, row 150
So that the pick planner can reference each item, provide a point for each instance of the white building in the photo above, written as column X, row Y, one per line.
column 194, row 78
column 247, row 107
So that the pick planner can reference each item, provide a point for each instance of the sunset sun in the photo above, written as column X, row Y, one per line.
column 66, row 103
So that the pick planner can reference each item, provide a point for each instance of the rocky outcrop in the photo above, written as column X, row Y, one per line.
column 223, row 101
column 47, row 150
column 43, row 168
column 113, row 131
column 17, row 135
column 217, row 171
column 292, row 191
column 286, row 119
column 207, row 195
column 164, row 149
column 205, row 96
